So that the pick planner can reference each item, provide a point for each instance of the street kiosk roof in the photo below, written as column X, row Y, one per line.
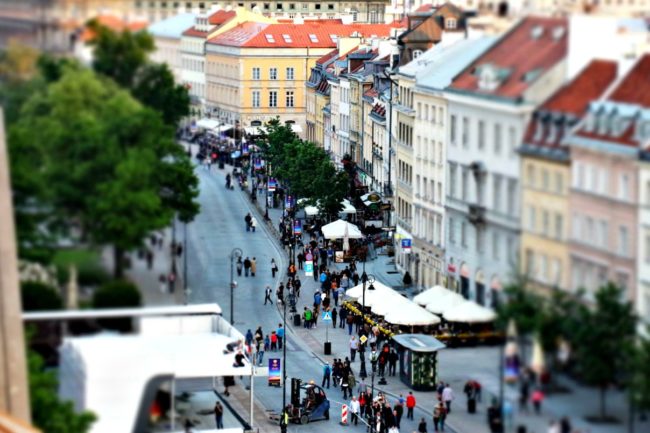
column 419, row 342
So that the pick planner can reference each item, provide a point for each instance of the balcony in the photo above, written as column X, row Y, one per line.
column 477, row 214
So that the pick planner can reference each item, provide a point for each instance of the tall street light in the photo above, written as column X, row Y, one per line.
column 185, row 262
column 284, row 361
column 235, row 253
column 365, row 278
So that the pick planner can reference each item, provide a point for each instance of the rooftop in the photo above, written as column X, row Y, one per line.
column 114, row 23
column 172, row 27
column 522, row 55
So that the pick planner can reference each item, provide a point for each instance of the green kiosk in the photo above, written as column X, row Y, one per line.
column 418, row 360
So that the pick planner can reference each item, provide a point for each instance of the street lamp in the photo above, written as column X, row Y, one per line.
column 365, row 278
column 185, row 262
column 284, row 364
column 236, row 252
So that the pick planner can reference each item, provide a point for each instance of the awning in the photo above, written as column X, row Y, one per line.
column 431, row 295
column 411, row 315
column 339, row 229
column 357, row 291
column 445, row 303
column 207, row 123
column 259, row 130
column 469, row 312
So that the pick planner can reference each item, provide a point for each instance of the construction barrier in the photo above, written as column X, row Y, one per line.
column 344, row 414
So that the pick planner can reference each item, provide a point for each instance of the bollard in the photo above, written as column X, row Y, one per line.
column 344, row 414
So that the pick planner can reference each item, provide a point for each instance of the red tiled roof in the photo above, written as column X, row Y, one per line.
column 192, row 31
column 572, row 98
column 113, row 23
column 372, row 93
column 297, row 35
column 519, row 55
column 588, row 85
column 221, row 17
column 635, row 87
column 425, row 8
column 327, row 57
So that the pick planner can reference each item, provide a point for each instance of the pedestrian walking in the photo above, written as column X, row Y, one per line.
column 553, row 426
column 296, row 286
column 565, row 425
column 439, row 414
column 253, row 224
column 422, row 427
column 249, row 338
column 494, row 415
column 274, row 267
column 149, row 257
column 253, row 266
column 399, row 411
column 342, row 317
column 334, row 317
column 354, row 346
column 301, row 259
column 448, row 396
column 355, row 408
column 392, row 362
column 247, row 220
column 247, row 266
column 345, row 385
column 410, row 404
column 306, row 317
column 280, row 334
column 240, row 266
column 537, row 399
column 267, row 295
column 350, row 321
column 327, row 373
column 218, row 415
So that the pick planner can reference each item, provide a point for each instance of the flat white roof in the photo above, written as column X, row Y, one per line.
column 181, row 310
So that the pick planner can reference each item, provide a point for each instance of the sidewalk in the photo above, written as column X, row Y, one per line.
column 456, row 366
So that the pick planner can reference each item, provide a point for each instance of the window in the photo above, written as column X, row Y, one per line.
column 530, row 175
column 317, row 7
column 465, row 132
column 417, row 53
column 256, row 73
column 289, row 98
column 624, row 187
column 450, row 23
column 497, row 138
column 556, row 272
column 496, row 192
column 646, row 254
column 290, row 73
column 576, row 228
column 495, row 245
column 559, row 226
column 512, row 138
column 546, row 223
column 559, row 183
column 279, row 6
column 532, row 217
column 452, row 129
column 256, row 98
column 545, row 180
column 452, row 232
column 313, row 38
column 452, row 179
column 287, row 38
column 530, row 262
column 292, row 6
column 543, row 268
column 623, row 241
column 273, row 74
column 601, row 236
column 273, row 98
column 464, row 183
column 463, row 234
column 481, row 135
column 330, row 6
column 512, row 196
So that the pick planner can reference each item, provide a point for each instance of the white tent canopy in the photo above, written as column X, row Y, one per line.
column 356, row 292
column 313, row 210
column 445, row 303
column 432, row 294
column 389, row 303
column 469, row 312
column 337, row 230
column 411, row 314
column 207, row 123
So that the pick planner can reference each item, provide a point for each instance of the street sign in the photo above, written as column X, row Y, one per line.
column 406, row 246
column 363, row 339
column 327, row 316
column 309, row 268
column 273, row 184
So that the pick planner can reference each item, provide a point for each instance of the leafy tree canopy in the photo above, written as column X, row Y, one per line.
column 39, row 297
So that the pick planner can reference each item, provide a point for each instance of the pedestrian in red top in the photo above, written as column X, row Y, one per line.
column 274, row 341
column 410, row 404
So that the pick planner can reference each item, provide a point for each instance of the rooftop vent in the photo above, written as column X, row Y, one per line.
column 536, row 32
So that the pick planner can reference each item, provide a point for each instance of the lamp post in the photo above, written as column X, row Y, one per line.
column 365, row 278
column 284, row 361
column 236, row 252
column 185, row 262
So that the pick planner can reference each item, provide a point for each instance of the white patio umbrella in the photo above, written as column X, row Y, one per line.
column 469, row 312
column 511, row 339
column 356, row 292
column 445, row 303
column 430, row 295
column 336, row 230
column 346, row 239
column 411, row 315
column 388, row 303
column 537, row 363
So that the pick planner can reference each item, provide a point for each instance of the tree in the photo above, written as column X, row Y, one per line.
column 124, row 58
column 50, row 414
column 521, row 306
column 37, row 296
column 110, row 165
column 640, row 383
column 606, row 341
column 117, row 294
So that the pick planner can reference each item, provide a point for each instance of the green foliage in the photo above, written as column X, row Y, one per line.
column 606, row 337
column 50, row 414
column 124, row 58
column 88, row 263
column 304, row 167
column 117, row 294
column 37, row 296
column 522, row 306
column 110, row 164
column 640, row 383
column 120, row 55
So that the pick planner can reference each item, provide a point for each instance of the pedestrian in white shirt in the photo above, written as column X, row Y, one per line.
column 354, row 410
column 447, row 396
column 354, row 345
column 253, row 224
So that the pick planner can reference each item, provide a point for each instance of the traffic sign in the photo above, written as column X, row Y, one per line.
column 327, row 316
column 363, row 339
column 406, row 246
column 309, row 268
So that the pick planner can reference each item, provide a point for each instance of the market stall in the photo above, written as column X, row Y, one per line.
column 418, row 360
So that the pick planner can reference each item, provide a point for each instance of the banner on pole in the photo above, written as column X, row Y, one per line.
column 273, row 184
column 289, row 201
column 297, row 227
column 275, row 371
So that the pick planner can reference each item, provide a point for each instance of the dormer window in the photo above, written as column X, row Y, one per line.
column 553, row 130
column 539, row 129
column 602, row 123
column 645, row 131
column 618, row 126
column 488, row 79
column 590, row 124
column 451, row 23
